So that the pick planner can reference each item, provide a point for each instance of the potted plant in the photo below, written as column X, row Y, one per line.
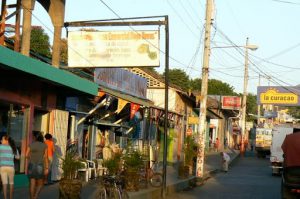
column 190, row 152
column 69, row 186
column 113, row 164
column 133, row 162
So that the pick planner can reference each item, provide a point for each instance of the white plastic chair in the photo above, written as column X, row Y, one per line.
column 91, row 168
column 101, row 170
column 85, row 171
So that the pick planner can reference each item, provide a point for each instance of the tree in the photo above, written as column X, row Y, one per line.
column 251, row 105
column 215, row 87
column 179, row 78
column 64, row 51
column 39, row 41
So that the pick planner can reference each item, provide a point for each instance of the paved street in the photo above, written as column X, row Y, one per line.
column 248, row 178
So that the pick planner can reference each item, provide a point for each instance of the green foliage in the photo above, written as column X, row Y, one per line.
column 39, row 41
column 215, row 87
column 190, row 149
column 251, row 106
column 133, row 161
column 113, row 164
column 64, row 51
column 179, row 78
column 70, row 164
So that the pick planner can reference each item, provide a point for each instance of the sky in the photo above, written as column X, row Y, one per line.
column 272, row 25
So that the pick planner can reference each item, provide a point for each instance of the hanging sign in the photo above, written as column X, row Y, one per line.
column 113, row 48
column 278, row 95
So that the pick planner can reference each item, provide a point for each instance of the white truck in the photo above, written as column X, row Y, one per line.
column 276, row 158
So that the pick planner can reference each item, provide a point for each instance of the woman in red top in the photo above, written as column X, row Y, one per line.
column 217, row 144
column 50, row 146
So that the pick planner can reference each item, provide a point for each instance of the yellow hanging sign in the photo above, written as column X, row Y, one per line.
column 272, row 96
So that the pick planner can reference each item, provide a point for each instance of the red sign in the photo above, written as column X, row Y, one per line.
column 231, row 102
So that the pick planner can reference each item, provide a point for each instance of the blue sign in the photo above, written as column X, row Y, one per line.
column 121, row 80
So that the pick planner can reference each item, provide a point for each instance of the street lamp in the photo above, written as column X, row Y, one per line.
column 243, row 119
column 243, row 125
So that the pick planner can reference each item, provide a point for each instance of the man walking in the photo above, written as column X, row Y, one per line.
column 225, row 161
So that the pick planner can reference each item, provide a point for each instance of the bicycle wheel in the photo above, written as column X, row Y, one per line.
column 115, row 193
column 124, row 194
column 101, row 193
column 156, row 180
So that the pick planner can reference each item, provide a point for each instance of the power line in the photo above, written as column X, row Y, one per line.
column 288, row 2
column 182, row 20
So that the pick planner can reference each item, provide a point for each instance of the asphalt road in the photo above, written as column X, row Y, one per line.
column 248, row 178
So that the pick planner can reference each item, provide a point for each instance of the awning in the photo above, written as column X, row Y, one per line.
column 12, row 59
column 127, row 97
column 108, row 123
column 209, row 114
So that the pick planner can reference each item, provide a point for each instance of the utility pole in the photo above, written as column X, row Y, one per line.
column 258, row 105
column 203, row 98
column 242, row 149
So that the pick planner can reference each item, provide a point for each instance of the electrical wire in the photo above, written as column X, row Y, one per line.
column 182, row 20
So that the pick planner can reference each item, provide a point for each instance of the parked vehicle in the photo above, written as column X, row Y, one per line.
column 276, row 156
column 263, row 141
column 290, row 184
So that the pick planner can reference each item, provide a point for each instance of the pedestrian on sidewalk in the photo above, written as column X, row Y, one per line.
column 225, row 161
column 7, row 167
column 38, row 164
column 217, row 144
column 51, row 149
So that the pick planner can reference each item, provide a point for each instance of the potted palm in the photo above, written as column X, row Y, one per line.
column 190, row 152
column 113, row 164
column 133, row 162
column 69, row 186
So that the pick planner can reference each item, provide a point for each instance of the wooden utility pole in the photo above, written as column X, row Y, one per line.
column 244, row 102
column 203, row 99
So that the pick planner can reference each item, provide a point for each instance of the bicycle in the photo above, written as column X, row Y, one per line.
column 150, row 175
column 111, row 187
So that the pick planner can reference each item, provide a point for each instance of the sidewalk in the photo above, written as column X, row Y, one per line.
column 212, row 165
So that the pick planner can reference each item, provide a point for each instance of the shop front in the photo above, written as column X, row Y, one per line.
column 32, row 97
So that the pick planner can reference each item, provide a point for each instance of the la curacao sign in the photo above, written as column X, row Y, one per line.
column 277, row 95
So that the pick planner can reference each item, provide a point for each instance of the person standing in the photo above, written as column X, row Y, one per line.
column 37, row 164
column 217, row 144
column 51, row 149
column 225, row 161
column 7, row 168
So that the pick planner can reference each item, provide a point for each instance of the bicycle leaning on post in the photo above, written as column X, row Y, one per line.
column 150, row 175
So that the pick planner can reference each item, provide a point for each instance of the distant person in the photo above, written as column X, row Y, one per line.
column 217, row 145
column 37, row 164
column 225, row 161
column 51, row 149
column 7, row 167
column 225, row 142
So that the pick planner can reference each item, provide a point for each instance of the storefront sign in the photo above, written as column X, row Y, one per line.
column 113, row 48
column 231, row 102
column 193, row 120
column 284, row 96
column 121, row 80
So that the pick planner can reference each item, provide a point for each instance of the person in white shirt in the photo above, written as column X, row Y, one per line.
column 225, row 161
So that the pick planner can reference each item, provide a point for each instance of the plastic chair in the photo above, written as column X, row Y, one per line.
column 101, row 170
column 84, row 170
column 91, row 169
